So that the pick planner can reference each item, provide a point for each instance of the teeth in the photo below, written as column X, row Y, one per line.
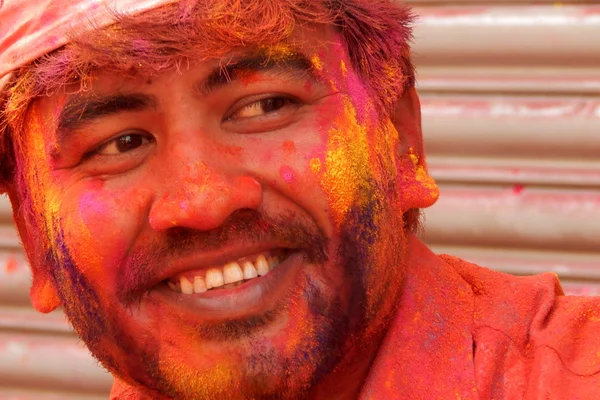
column 232, row 273
column 249, row 270
column 262, row 266
column 214, row 278
column 186, row 285
column 199, row 285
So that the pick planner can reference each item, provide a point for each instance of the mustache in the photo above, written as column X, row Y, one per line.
column 246, row 226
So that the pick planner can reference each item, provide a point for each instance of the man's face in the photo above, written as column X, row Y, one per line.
column 220, row 231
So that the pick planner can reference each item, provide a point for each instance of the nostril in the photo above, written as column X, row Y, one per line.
column 250, row 191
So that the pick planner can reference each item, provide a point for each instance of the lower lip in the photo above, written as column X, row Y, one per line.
column 251, row 298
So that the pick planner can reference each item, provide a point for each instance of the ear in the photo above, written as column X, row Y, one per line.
column 417, row 187
column 43, row 292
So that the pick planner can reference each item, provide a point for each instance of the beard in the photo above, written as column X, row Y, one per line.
column 370, row 250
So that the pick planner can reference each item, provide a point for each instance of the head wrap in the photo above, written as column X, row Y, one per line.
column 31, row 28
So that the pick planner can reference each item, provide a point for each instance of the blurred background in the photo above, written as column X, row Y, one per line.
column 510, row 96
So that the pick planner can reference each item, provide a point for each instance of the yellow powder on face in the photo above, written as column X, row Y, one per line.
column 333, row 85
column 428, row 182
column 423, row 176
column 413, row 157
column 278, row 52
column 315, row 165
column 343, row 68
column 348, row 166
column 317, row 63
column 198, row 384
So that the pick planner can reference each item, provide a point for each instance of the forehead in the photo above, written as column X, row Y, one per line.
column 318, row 43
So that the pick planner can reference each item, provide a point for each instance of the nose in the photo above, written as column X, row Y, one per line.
column 205, row 202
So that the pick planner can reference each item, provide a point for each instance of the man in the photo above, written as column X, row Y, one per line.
column 223, row 197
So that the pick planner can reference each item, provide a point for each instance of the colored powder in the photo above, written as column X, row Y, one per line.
column 286, row 173
column 44, row 200
column 88, row 205
column 347, row 163
column 279, row 52
column 423, row 176
column 289, row 147
column 317, row 63
column 234, row 151
column 220, row 376
column 360, row 98
column 315, row 165
column 343, row 68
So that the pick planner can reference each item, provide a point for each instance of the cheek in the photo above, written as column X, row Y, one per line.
column 287, row 174
column 99, row 227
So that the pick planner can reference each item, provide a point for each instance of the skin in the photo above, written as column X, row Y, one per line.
column 215, row 175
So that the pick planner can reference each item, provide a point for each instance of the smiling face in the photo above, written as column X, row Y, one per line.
column 234, row 228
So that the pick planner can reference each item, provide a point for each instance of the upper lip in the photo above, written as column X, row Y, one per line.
column 201, row 260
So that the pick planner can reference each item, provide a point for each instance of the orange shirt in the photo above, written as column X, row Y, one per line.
column 466, row 332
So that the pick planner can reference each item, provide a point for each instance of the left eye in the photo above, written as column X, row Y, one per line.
column 123, row 144
column 262, row 107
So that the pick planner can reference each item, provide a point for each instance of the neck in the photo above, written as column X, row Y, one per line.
column 347, row 380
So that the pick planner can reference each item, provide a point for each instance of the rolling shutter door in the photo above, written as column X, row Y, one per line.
column 40, row 357
column 511, row 118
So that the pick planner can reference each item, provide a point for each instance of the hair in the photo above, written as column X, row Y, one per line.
column 376, row 33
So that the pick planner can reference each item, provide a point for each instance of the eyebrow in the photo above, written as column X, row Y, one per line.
column 82, row 110
column 291, row 64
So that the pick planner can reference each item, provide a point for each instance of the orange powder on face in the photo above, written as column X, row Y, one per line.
column 82, row 241
column 289, row 147
column 44, row 199
column 234, row 151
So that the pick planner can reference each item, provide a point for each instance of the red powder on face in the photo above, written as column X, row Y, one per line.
column 286, row 173
column 11, row 265
column 289, row 147
column 247, row 77
column 235, row 151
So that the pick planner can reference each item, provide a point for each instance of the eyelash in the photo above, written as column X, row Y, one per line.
column 96, row 151
column 290, row 100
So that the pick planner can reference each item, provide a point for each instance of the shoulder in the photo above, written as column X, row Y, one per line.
column 507, row 302
column 531, row 337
